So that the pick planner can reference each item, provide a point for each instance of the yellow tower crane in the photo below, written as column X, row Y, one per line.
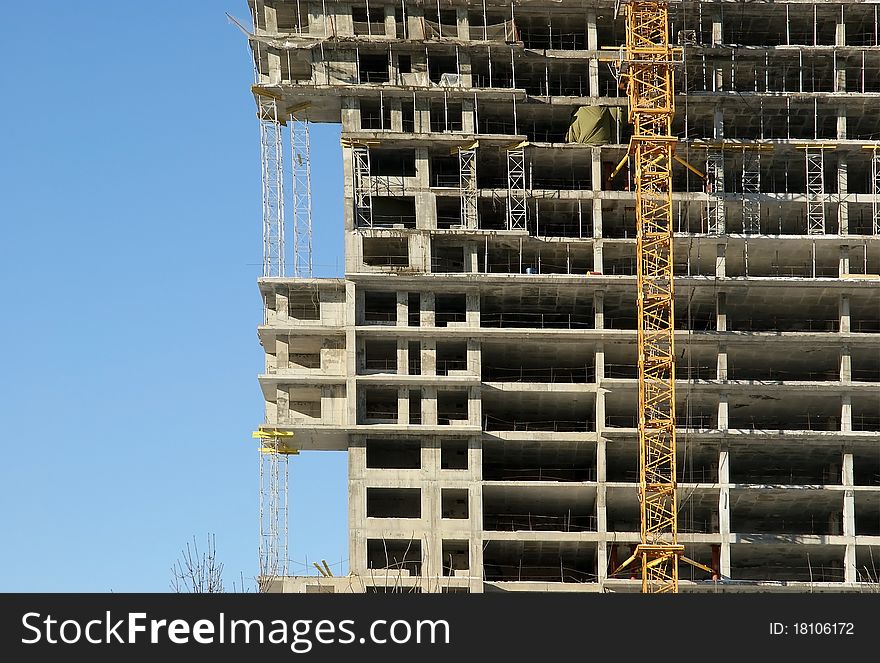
column 646, row 65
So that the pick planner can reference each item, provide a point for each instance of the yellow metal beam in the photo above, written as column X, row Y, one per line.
column 691, row 168
column 275, row 441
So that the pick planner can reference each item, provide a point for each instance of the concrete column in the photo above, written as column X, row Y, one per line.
column 270, row 16
column 602, row 553
column 461, row 22
column 360, row 404
column 357, row 507
column 474, row 356
column 724, row 509
column 723, row 410
column 475, row 407
column 841, row 122
column 426, row 309
column 842, row 182
column 717, row 37
column 593, row 45
column 396, row 114
column 318, row 23
column 472, row 309
column 601, row 512
column 350, row 114
column 354, row 313
column 845, row 364
column 402, row 308
column 722, row 362
column 360, row 356
column 843, row 262
column 849, row 518
column 720, row 261
column 721, row 312
column 598, row 263
column 423, row 165
column 328, row 413
column 390, row 23
column 342, row 21
column 403, row 406
column 600, row 363
column 599, row 309
column 274, row 68
column 844, row 314
column 846, row 413
column 429, row 357
column 281, row 307
column 471, row 257
column 429, row 403
column 592, row 33
column 840, row 86
column 596, row 169
column 402, row 357
column 475, row 493
column 422, row 109
column 282, row 353
column 465, row 70
column 414, row 26
column 468, row 125
column 282, row 405
column 432, row 539
column 359, row 305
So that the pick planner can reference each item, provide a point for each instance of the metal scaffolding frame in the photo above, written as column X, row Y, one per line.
column 815, row 167
column 751, row 187
column 517, row 209
column 272, row 157
column 715, row 220
column 301, row 168
column 875, row 190
column 274, row 475
column 467, row 186
column 363, row 196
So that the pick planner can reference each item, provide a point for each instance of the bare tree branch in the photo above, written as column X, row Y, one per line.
column 197, row 572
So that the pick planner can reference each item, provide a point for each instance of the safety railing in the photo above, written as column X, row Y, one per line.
column 541, row 473
column 387, row 365
column 580, row 374
column 538, row 320
column 531, row 522
column 496, row 423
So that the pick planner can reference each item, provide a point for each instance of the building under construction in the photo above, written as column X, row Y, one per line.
column 479, row 362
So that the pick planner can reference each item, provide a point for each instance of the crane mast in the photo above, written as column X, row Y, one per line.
column 647, row 68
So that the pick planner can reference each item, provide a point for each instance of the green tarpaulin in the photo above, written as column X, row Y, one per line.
column 590, row 125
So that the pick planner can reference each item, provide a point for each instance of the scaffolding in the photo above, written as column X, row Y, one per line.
column 363, row 196
column 467, row 160
column 272, row 157
column 517, row 208
column 751, row 188
column 301, row 168
column 815, row 169
column 715, row 188
column 274, row 451
column 875, row 190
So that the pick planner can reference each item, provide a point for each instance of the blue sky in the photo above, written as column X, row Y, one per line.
column 130, row 252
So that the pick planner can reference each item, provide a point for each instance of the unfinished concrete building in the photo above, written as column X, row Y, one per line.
column 478, row 360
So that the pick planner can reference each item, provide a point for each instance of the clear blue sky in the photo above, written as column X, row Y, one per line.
column 130, row 251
